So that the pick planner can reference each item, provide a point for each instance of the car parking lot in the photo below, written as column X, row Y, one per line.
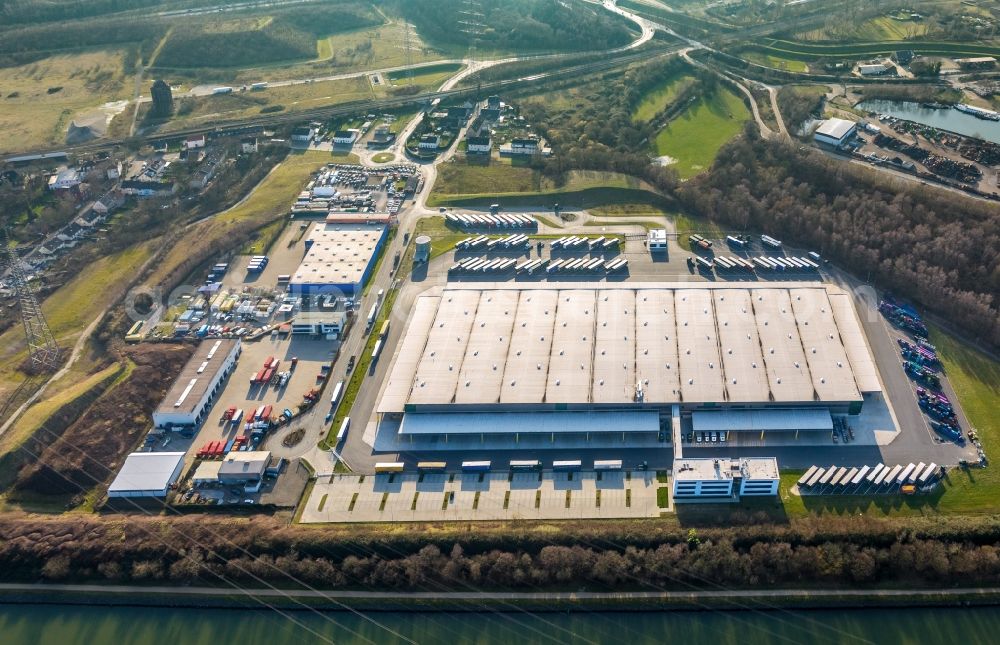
column 413, row 497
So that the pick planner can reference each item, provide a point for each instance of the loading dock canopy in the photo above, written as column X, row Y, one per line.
column 761, row 420
column 529, row 423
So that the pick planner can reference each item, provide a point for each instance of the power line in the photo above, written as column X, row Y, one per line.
column 43, row 351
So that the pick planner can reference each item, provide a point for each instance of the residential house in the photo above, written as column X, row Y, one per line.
column 148, row 187
column 479, row 145
column 429, row 142
column 524, row 146
column 248, row 145
column 197, row 141
column 206, row 170
column 875, row 69
column 345, row 137
column 115, row 171
column 303, row 134
column 493, row 102
column 64, row 179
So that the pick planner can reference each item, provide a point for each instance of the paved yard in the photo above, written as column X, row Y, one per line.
column 434, row 497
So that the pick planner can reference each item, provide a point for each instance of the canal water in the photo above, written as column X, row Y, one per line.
column 68, row 625
column 946, row 119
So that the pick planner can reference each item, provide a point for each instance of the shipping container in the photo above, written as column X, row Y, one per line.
column 475, row 466
column 345, row 425
column 608, row 464
column 526, row 464
column 337, row 391
column 432, row 466
column 568, row 465
column 388, row 467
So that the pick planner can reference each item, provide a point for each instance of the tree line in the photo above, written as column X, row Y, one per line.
column 613, row 555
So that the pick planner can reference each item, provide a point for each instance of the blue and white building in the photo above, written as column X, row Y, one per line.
column 339, row 258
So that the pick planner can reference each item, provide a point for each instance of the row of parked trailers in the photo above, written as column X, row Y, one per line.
column 566, row 465
column 484, row 241
column 497, row 265
column 868, row 480
column 763, row 262
column 512, row 220
column 575, row 242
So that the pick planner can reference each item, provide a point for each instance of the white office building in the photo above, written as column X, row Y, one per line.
column 721, row 479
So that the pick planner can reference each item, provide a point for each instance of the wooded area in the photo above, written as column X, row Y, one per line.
column 933, row 246
column 517, row 25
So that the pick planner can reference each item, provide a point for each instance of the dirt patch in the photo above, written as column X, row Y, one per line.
column 293, row 438
column 92, row 448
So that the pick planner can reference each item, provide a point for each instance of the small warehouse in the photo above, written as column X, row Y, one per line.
column 339, row 258
column 835, row 132
column 320, row 323
column 190, row 397
column 244, row 467
column 147, row 474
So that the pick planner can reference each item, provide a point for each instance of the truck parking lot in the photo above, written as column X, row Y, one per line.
column 413, row 497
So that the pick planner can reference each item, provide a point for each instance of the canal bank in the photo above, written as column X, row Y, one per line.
column 465, row 601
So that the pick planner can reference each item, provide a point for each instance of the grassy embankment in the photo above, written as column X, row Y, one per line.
column 515, row 185
column 976, row 379
column 73, row 387
column 695, row 137
column 73, row 306
column 793, row 50
column 659, row 97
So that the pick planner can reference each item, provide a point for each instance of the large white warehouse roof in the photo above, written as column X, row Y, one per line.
column 557, row 344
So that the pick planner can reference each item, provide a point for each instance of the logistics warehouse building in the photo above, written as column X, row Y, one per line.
column 339, row 257
column 190, row 397
column 584, row 359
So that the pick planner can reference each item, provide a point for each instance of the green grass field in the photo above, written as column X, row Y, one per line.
column 880, row 28
column 654, row 101
column 694, row 138
column 976, row 379
column 31, row 115
column 777, row 62
column 518, row 186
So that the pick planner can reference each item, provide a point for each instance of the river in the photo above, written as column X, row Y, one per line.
column 72, row 625
column 947, row 119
